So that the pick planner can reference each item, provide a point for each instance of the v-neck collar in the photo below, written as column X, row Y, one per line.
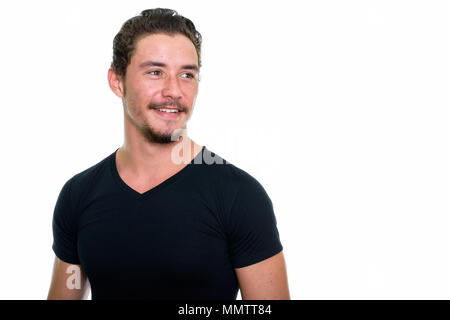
column 135, row 194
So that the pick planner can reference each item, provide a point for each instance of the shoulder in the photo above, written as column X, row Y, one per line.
column 81, row 182
column 223, row 172
column 86, row 176
column 232, row 186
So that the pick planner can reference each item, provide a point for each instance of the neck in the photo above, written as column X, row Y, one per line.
column 141, row 156
column 142, row 159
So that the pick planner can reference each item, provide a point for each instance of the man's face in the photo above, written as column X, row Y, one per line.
column 162, row 74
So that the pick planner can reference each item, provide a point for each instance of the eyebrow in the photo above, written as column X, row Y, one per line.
column 161, row 64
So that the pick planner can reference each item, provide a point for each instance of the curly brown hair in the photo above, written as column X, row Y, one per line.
column 150, row 21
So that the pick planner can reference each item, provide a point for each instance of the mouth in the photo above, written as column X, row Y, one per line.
column 167, row 112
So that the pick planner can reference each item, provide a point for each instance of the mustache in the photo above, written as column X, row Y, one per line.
column 173, row 104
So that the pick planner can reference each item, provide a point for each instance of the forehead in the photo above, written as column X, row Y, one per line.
column 170, row 49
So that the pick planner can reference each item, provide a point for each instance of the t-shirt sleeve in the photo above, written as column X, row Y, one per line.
column 252, row 227
column 64, row 227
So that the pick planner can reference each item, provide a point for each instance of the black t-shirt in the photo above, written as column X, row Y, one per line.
column 179, row 240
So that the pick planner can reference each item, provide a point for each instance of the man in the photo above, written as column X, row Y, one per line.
column 163, row 217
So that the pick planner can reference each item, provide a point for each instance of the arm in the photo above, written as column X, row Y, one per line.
column 69, row 282
column 265, row 280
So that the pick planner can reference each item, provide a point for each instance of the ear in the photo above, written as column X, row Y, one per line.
column 115, row 83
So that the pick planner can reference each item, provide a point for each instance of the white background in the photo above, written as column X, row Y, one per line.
column 339, row 108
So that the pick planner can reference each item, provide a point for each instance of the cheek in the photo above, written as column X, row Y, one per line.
column 190, row 92
column 142, row 97
column 137, row 103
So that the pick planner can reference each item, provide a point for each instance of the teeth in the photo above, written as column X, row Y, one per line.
column 168, row 110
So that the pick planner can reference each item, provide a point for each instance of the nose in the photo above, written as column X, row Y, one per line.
column 171, row 88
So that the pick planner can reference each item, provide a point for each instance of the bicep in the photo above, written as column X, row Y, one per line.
column 69, row 282
column 266, row 279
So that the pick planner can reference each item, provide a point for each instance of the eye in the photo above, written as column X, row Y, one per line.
column 152, row 72
column 189, row 75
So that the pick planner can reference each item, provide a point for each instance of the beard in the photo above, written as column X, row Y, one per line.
column 162, row 138
column 155, row 137
column 150, row 132
column 147, row 130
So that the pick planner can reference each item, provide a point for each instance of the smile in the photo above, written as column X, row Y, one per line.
column 168, row 110
column 167, row 113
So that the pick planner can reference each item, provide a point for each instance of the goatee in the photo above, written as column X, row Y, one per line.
column 155, row 137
